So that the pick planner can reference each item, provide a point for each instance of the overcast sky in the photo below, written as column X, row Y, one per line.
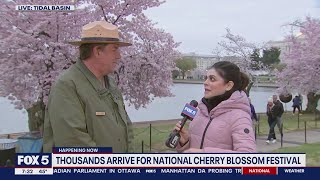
column 199, row 24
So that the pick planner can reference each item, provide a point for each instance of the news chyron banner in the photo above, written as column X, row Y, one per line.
column 102, row 162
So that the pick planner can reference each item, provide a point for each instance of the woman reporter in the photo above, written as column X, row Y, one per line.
column 223, row 123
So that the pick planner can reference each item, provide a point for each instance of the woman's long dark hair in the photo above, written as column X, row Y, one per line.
column 229, row 72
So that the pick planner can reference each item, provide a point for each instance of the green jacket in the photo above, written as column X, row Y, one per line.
column 81, row 112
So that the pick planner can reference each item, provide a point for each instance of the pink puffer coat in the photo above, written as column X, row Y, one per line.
column 230, row 129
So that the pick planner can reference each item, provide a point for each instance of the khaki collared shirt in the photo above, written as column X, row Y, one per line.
column 81, row 112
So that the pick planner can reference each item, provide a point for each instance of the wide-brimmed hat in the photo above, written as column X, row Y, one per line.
column 100, row 32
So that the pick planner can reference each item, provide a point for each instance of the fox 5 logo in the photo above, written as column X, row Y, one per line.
column 33, row 160
column 189, row 111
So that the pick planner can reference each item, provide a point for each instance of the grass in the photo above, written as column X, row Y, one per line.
column 159, row 133
column 312, row 152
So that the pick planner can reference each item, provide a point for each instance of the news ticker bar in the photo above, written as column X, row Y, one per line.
column 234, row 171
column 45, row 8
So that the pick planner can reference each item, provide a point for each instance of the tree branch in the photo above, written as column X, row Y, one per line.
column 104, row 14
column 114, row 22
column 121, row 14
column 42, row 33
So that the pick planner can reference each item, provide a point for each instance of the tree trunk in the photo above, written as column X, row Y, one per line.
column 252, row 79
column 36, row 116
column 312, row 102
column 183, row 74
column 249, row 88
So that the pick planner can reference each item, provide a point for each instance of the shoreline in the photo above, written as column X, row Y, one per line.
column 180, row 81
column 154, row 123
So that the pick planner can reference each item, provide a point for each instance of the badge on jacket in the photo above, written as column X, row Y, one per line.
column 246, row 130
column 100, row 113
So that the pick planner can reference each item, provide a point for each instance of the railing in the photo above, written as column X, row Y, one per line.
column 152, row 138
column 13, row 135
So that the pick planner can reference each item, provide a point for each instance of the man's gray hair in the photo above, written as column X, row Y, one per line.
column 86, row 50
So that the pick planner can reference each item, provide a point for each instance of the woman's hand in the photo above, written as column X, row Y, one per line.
column 183, row 133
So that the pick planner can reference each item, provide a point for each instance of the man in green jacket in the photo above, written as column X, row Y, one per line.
column 85, row 106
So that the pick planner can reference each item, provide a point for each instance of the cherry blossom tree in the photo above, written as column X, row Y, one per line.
column 33, row 53
column 33, row 50
column 302, row 71
column 238, row 50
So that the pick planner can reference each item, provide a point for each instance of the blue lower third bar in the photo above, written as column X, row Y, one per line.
column 282, row 172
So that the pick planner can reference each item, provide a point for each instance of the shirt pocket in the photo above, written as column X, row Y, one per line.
column 120, row 107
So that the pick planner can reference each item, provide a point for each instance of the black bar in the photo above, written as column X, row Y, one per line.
column 150, row 138
column 298, row 121
column 281, row 127
column 258, row 121
column 142, row 147
column 315, row 119
column 305, row 132
column 255, row 132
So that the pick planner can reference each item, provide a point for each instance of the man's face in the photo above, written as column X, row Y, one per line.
column 275, row 98
column 108, row 58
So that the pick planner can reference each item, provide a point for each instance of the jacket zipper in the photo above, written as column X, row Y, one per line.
column 204, row 133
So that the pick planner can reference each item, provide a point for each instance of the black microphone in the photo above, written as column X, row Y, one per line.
column 188, row 113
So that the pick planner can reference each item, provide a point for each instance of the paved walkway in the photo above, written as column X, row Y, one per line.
column 290, row 139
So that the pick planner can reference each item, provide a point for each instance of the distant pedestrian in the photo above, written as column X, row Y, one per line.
column 278, row 111
column 254, row 118
column 272, row 121
column 296, row 104
column 301, row 101
column 253, row 112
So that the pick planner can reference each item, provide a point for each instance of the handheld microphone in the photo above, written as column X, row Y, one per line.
column 188, row 113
